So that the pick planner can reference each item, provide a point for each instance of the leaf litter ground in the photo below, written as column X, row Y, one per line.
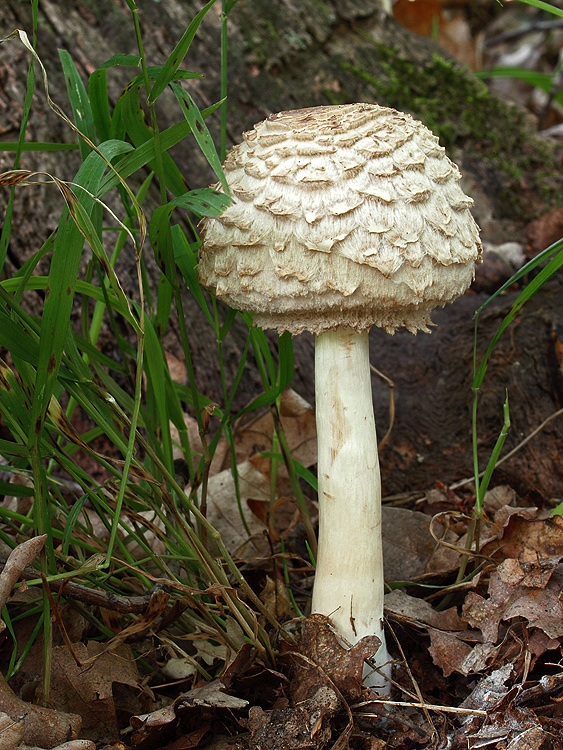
column 478, row 667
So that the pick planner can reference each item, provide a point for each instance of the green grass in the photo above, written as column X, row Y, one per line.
column 52, row 370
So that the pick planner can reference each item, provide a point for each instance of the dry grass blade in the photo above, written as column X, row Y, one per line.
column 391, row 385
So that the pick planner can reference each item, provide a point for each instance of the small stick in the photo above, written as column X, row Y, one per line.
column 105, row 599
column 427, row 706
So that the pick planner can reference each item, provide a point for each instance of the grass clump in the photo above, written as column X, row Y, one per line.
column 91, row 443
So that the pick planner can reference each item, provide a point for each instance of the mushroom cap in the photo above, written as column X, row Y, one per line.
column 347, row 215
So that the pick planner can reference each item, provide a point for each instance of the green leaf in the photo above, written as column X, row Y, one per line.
column 99, row 102
column 137, row 129
column 145, row 153
column 65, row 264
column 187, row 263
column 541, row 80
column 203, row 202
column 121, row 59
column 18, row 490
column 201, row 132
column 39, row 146
column 286, row 366
column 206, row 202
column 14, row 338
column 175, row 60
column 158, row 389
column 228, row 6
column 300, row 470
column 83, row 117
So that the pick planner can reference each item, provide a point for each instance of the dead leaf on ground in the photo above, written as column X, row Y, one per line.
column 522, row 533
column 321, row 660
column 507, row 725
column 299, row 425
column 92, row 691
column 223, row 511
column 41, row 725
column 421, row 613
column 199, row 705
column 275, row 599
column 409, row 549
column 451, row 653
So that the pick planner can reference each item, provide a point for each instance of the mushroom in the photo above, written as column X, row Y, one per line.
column 343, row 217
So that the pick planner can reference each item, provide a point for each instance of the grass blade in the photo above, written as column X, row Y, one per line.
column 78, row 97
column 201, row 132
column 180, row 51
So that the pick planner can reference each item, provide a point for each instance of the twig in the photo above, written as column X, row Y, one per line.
column 391, row 385
column 427, row 706
column 530, row 28
column 434, row 732
column 105, row 599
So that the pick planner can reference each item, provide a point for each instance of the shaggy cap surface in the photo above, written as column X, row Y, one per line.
column 346, row 215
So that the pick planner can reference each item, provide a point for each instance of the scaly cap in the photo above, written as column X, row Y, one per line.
column 346, row 215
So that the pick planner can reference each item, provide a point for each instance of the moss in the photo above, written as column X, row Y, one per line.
column 460, row 110
column 441, row 94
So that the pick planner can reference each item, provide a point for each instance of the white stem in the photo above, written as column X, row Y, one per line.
column 349, row 576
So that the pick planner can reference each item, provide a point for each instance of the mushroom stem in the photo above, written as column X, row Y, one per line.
column 349, row 576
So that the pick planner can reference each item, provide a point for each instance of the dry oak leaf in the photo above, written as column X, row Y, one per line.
column 149, row 729
column 533, row 538
column 541, row 607
column 321, row 660
column 453, row 654
column 90, row 690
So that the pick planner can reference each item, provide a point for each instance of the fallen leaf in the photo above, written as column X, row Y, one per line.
column 40, row 724
column 447, row 651
column 421, row 613
column 151, row 730
column 276, row 600
column 546, row 230
column 299, row 425
column 89, row 690
column 321, row 660
column 453, row 654
column 11, row 732
column 212, row 695
column 409, row 549
column 522, row 534
column 506, row 722
column 223, row 511
column 541, row 607
column 490, row 690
